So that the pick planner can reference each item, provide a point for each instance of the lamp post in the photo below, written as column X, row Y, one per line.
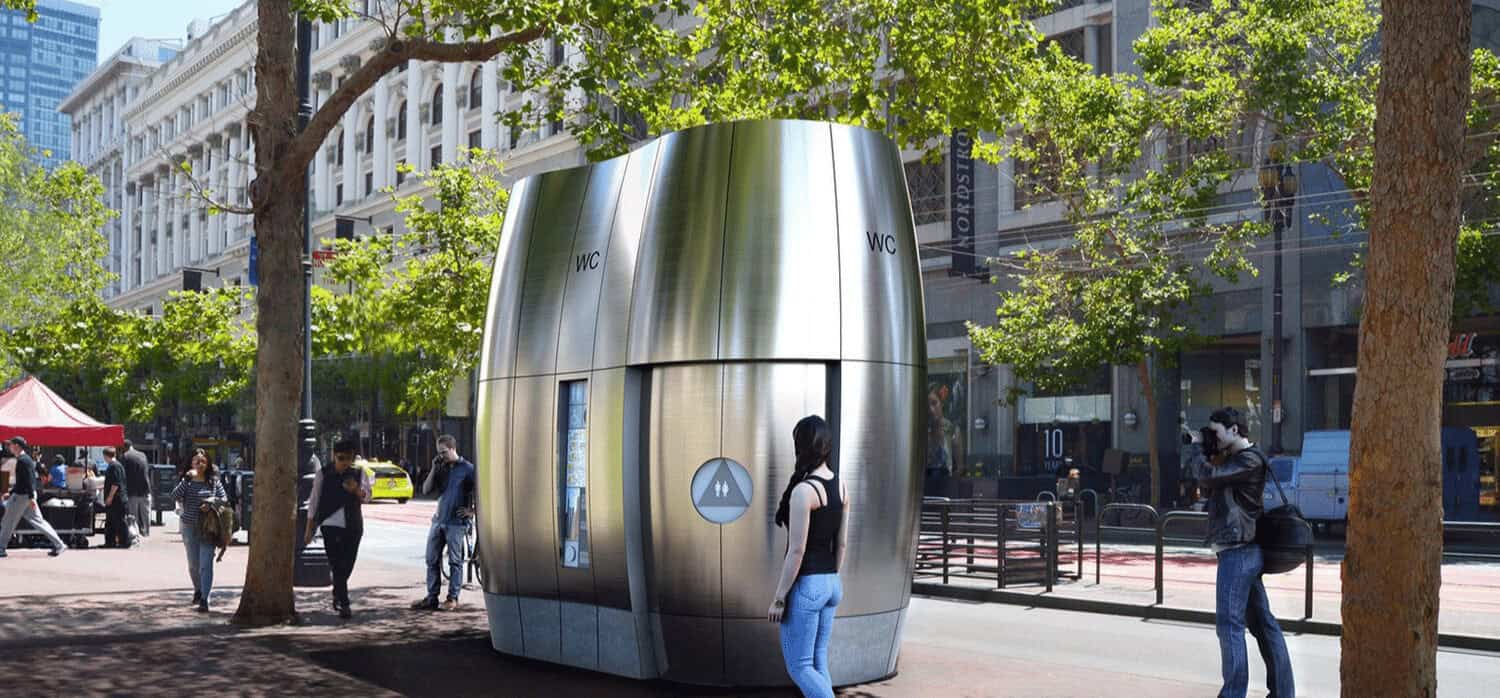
column 1278, row 187
column 311, row 566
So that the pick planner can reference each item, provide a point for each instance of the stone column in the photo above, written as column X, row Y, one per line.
column 351, row 156
column 489, row 129
column 380, row 160
column 236, row 185
column 192, row 205
column 415, row 129
column 451, row 116
column 147, row 215
column 322, row 180
column 182, row 235
column 163, row 214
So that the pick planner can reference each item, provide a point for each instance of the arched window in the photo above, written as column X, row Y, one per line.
column 370, row 135
column 437, row 106
column 476, row 89
column 401, row 121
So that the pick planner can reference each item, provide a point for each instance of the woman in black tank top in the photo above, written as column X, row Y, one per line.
column 815, row 510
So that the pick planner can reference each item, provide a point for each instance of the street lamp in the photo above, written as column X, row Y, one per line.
column 1278, row 188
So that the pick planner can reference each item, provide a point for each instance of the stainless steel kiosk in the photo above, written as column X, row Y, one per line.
column 657, row 324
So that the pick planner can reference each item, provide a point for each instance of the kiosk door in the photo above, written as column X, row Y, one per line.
column 718, row 454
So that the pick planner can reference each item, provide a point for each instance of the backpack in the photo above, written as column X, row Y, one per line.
column 1281, row 532
column 216, row 524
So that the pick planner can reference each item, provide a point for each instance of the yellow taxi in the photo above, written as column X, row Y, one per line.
column 390, row 481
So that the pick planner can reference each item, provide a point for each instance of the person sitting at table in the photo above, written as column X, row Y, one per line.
column 58, row 478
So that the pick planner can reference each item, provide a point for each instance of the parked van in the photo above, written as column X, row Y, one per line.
column 1322, row 477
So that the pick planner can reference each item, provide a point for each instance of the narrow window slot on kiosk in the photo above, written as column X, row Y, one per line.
column 573, row 422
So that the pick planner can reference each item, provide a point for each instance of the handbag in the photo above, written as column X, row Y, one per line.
column 1281, row 533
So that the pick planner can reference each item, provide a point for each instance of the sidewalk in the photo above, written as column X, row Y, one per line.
column 1468, row 596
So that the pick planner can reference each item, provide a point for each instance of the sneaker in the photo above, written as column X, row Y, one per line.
column 345, row 612
column 449, row 605
column 202, row 607
column 4, row 554
column 57, row 551
column 426, row 604
column 197, row 598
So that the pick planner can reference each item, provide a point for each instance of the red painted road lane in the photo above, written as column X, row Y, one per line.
column 415, row 512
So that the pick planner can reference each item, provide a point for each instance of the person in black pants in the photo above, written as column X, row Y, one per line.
column 116, row 506
column 339, row 489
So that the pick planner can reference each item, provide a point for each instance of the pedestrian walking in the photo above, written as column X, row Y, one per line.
column 339, row 490
column 21, row 502
column 116, row 506
column 138, row 482
column 453, row 476
column 199, row 485
column 814, row 509
column 1234, row 480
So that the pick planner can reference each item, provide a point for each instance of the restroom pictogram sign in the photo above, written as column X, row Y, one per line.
column 721, row 490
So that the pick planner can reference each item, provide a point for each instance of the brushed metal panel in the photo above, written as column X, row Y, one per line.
column 502, row 315
column 880, row 463
column 879, row 265
column 606, row 492
column 695, row 648
column 611, row 337
column 584, row 267
column 493, row 468
column 580, row 635
column 781, row 248
column 860, row 648
column 619, row 645
column 675, row 301
column 684, row 548
column 534, row 487
column 559, row 201
column 754, row 653
column 762, row 402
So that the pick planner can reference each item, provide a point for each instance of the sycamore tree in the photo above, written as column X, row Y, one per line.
column 616, row 42
column 49, row 234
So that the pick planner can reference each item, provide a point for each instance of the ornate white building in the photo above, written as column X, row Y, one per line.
column 163, row 133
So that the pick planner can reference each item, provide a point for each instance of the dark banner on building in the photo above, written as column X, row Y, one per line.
column 961, row 204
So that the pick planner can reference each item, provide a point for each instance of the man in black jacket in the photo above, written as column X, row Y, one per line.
column 116, row 505
column 21, row 502
column 1234, row 478
column 137, row 484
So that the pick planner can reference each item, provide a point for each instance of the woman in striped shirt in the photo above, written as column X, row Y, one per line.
column 200, row 484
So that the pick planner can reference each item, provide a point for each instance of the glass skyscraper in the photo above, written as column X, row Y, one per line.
column 40, row 63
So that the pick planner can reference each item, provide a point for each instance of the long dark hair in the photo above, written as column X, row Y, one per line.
column 813, row 442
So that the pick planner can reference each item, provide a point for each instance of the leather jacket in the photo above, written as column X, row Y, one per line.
column 1234, row 500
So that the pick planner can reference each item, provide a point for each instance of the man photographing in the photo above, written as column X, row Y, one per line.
column 1233, row 476
column 454, row 477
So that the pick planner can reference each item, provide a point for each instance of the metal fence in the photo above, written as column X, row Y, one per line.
column 1005, row 542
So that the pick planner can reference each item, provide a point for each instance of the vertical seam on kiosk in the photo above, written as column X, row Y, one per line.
column 723, row 377
column 559, row 449
column 510, row 449
column 838, row 237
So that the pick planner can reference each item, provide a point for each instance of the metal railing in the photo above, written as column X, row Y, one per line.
column 1004, row 541
column 1169, row 517
column 1488, row 528
column 1100, row 528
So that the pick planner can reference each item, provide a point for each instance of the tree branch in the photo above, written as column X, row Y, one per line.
column 304, row 147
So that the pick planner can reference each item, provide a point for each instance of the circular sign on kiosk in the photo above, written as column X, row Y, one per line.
column 721, row 490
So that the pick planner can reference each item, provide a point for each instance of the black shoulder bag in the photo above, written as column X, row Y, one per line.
column 1281, row 533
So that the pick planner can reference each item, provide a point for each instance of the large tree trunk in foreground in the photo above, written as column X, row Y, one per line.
column 1391, row 570
column 268, row 595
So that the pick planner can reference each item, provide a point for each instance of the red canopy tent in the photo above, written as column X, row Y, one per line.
column 31, row 410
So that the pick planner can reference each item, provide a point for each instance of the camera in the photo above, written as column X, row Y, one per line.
column 1209, row 442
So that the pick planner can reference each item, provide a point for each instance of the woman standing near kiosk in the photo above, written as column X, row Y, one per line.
column 814, row 508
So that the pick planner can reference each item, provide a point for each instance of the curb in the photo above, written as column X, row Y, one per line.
column 1172, row 613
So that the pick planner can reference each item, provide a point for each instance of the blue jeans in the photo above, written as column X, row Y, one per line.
column 451, row 536
column 1241, row 604
column 200, row 557
column 805, row 629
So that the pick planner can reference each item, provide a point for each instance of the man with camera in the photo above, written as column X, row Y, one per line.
column 1232, row 477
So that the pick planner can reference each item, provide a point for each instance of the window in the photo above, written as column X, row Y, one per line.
column 401, row 120
column 369, row 183
column 927, row 183
column 370, row 134
column 437, row 106
column 338, row 195
column 339, row 149
column 476, row 89
column 573, row 474
column 436, row 157
column 476, row 139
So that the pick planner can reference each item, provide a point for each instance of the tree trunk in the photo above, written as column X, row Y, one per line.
column 1143, row 369
column 1391, row 569
column 268, row 598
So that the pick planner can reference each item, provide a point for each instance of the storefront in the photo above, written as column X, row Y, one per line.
column 1471, row 410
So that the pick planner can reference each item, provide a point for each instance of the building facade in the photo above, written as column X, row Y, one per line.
column 43, row 61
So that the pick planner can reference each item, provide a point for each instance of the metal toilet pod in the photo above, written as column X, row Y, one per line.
column 657, row 324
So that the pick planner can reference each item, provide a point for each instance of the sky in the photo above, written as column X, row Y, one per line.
column 154, row 19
